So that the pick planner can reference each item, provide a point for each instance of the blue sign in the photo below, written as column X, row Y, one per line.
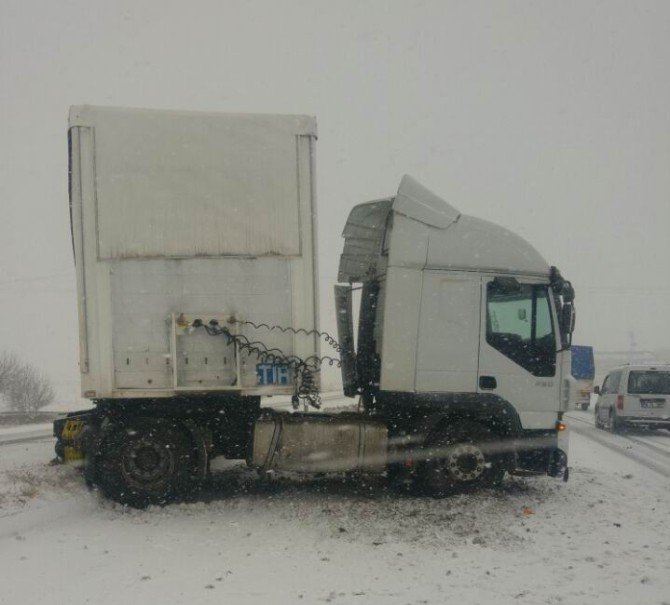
column 272, row 373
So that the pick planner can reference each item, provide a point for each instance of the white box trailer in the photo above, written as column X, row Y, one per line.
column 179, row 216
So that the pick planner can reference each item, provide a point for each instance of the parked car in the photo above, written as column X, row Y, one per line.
column 634, row 395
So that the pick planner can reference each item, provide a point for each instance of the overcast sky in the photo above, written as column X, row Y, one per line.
column 550, row 118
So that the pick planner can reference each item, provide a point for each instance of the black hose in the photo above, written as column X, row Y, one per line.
column 305, row 369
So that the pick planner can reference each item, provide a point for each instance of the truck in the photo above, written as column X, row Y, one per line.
column 195, row 247
column 583, row 371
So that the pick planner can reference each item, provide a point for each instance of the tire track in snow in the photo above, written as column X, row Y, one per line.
column 656, row 448
column 588, row 430
column 19, row 440
column 662, row 442
column 646, row 441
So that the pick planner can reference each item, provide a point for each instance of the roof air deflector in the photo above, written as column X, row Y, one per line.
column 416, row 202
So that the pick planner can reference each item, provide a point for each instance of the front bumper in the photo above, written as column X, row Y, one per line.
column 542, row 453
column 663, row 422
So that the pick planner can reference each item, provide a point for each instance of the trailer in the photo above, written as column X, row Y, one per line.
column 583, row 370
column 195, row 247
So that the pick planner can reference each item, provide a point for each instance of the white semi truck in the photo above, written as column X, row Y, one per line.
column 195, row 249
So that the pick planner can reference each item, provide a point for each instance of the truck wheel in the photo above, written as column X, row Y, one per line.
column 144, row 463
column 585, row 406
column 458, row 458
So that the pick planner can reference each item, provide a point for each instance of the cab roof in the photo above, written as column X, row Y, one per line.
column 426, row 231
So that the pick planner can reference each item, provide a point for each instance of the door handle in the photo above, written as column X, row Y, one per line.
column 487, row 382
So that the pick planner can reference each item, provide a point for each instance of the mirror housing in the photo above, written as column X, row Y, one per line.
column 596, row 390
column 567, row 318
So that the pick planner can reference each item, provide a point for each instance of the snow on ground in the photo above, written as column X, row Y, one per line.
column 24, row 430
column 601, row 538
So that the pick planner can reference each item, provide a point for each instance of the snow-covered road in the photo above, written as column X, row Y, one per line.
column 648, row 448
column 26, row 432
column 603, row 537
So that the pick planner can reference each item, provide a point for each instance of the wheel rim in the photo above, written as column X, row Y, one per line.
column 465, row 462
column 147, row 462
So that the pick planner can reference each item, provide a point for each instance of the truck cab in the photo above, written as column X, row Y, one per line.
column 459, row 318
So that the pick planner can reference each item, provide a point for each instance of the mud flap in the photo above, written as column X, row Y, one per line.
column 71, row 441
column 75, row 436
column 558, row 466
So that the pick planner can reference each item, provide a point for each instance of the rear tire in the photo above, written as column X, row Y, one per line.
column 615, row 425
column 585, row 406
column 459, row 459
column 596, row 419
column 145, row 463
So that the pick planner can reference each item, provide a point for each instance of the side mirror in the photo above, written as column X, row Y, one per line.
column 596, row 390
column 567, row 319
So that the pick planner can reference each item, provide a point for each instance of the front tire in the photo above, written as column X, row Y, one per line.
column 144, row 463
column 460, row 458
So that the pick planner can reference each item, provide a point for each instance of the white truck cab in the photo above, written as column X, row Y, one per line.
column 464, row 331
column 461, row 306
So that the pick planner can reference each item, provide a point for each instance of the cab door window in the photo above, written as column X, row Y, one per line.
column 606, row 386
column 611, row 384
column 615, row 381
column 519, row 325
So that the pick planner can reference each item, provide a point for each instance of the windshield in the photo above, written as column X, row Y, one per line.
column 649, row 382
column 519, row 326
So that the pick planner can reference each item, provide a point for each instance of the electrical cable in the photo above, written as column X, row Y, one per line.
column 305, row 369
column 321, row 334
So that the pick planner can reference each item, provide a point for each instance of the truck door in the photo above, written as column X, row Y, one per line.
column 518, row 344
column 448, row 333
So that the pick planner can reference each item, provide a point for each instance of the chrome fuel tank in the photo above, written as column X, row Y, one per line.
column 319, row 443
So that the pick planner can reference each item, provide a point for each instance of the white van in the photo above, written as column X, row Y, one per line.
column 634, row 395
